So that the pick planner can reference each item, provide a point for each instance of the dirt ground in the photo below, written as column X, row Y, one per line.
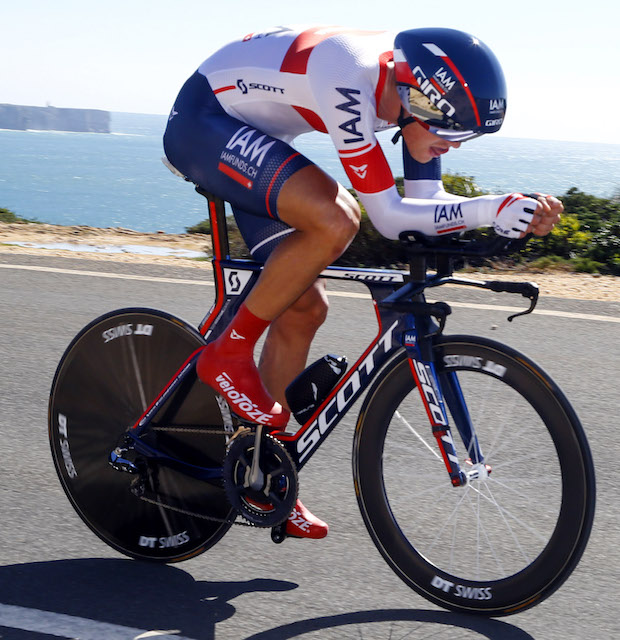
column 100, row 244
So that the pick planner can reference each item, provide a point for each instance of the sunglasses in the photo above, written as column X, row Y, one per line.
column 450, row 135
column 423, row 110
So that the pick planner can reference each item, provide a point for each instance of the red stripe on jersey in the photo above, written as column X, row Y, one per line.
column 346, row 152
column 370, row 172
column 298, row 54
column 224, row 89
column 311, row 118
column 384, row 58
column 461, row 228
column 235, row 175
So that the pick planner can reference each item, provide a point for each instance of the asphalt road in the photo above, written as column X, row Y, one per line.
column 58, row 580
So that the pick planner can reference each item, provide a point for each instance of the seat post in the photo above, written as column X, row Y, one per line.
column 219, row 228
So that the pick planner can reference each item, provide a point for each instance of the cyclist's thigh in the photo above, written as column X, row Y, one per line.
column 226, row 156
column 260, row 234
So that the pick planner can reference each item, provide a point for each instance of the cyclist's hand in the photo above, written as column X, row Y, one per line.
column 546, row 216
column 515, row 215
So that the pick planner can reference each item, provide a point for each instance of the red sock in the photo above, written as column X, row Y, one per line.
column 242, row 334
column 227, row 365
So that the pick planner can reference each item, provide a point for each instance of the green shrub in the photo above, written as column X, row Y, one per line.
column 587, row 265
column 555, row 263
column 7, row 216
column 204, row 226
column 238, row 248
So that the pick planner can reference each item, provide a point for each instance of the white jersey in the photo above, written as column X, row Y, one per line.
column 288, row 81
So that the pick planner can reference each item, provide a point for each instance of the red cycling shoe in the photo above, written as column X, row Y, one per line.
column 303, row 524
column 227, row 365
column 239, row 383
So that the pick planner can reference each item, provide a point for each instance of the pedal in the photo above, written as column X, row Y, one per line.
column 278, row 533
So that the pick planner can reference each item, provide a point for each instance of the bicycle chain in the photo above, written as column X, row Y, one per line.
column 198, row 431
column 202, row 516
column 186, row 512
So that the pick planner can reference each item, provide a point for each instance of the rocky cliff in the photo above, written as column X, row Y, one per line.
column 53, row 119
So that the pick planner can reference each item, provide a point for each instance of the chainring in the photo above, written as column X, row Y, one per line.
column 273, row 503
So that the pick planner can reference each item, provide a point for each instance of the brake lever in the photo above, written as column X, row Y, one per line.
column 526, row 289
column 533, row 302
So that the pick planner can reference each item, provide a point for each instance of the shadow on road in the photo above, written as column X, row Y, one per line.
column 152, row 596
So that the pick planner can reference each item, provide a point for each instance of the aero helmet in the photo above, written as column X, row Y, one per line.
column 450, row 81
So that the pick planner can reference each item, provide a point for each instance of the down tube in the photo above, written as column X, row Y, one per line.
column 303, row 444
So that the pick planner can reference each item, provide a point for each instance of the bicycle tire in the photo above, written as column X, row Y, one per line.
column 110, row 373
column 496, row 546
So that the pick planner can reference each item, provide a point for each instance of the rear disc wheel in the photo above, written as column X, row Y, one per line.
column 109, row 375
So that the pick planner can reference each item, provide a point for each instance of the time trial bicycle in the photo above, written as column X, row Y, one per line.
column 472, row 471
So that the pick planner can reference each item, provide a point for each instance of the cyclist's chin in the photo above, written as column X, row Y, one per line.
column 425, row 155
column 436, row 152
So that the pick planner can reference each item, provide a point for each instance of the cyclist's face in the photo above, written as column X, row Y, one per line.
column 424, row 145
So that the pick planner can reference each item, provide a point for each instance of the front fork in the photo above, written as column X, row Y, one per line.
column 437, row 391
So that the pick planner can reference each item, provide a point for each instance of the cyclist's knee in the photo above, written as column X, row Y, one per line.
column 313, row 305
column 351, row 213
column 314, row 203
column 308, row 312
column 338, row 221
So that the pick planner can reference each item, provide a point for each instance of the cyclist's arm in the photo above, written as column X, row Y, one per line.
column 391, row 214
column 429, row 189
column 428, row 208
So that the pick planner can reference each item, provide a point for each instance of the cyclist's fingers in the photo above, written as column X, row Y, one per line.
column 542, row 223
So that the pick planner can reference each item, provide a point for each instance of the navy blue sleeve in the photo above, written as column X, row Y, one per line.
column 415, row 170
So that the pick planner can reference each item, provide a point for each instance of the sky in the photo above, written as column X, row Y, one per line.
column 561, row 59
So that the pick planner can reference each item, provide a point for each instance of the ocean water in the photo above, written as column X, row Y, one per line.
column 118, row 180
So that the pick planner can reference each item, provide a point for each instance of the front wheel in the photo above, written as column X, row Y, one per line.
column 111, row 372
column 507, row 539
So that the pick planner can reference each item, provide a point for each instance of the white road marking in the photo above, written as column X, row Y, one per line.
column 64, row 626
column 336, row 294
column 104, row 274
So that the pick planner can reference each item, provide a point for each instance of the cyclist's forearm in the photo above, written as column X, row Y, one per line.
column 425, row 189
column 391, row 214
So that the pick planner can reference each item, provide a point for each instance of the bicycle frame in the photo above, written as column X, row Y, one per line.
column 404, row 321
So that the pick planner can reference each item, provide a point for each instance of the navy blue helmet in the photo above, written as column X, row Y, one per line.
column 450, row 81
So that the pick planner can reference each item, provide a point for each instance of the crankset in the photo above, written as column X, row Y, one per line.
column 260, row 478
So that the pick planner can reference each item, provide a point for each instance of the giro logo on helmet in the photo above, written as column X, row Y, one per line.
column 432, row 92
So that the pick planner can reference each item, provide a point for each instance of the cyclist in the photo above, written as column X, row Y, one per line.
column 230, row 131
